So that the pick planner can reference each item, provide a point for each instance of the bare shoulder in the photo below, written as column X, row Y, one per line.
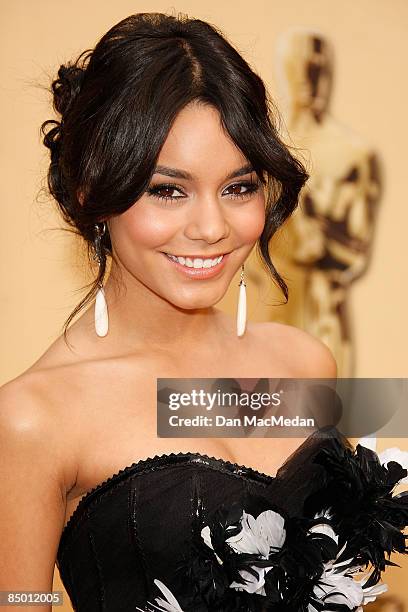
column 31, row 422
column 34, row 479
column 305, row 355
column 21, row 406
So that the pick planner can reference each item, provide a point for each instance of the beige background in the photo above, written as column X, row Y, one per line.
column 41, row 267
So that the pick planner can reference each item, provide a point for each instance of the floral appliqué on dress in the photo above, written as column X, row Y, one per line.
column 329, row 559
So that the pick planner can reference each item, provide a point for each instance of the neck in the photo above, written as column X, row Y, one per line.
column 140, row 317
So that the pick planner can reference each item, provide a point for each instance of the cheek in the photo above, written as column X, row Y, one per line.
column 144, row 227
column 250, row 222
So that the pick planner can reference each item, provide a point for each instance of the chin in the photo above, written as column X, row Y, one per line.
column 194, row 303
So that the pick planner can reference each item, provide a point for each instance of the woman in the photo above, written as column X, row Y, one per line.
column 166, row 160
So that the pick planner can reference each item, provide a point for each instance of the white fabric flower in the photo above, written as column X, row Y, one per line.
column 338, row 586
column 170, row 604
column 254, row 584
column 260, row 536
column 206, row 535
column 370, row 594
column 344, row 591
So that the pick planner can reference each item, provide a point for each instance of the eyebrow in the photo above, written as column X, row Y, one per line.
column 176, row 173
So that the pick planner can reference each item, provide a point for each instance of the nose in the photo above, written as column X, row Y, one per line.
column 207, row 221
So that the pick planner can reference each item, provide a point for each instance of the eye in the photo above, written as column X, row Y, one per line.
column 166, row 187
column 157, row 190
column 249, row 186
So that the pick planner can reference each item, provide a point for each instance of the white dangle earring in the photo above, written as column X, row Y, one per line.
column 242, row 305
column 101, row 307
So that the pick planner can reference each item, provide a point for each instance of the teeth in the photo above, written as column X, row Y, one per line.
column 196, row 262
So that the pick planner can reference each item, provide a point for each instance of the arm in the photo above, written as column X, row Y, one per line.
column 32, row 501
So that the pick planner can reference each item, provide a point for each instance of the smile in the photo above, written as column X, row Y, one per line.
column 197, row 267
column 196, row 262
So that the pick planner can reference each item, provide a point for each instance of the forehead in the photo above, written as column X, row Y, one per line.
column 198, row 144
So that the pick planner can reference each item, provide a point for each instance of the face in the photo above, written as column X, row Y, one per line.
column 203, row 201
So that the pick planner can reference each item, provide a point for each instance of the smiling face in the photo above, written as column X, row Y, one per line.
column 202, row 201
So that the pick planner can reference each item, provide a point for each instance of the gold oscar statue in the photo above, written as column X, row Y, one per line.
column 332, row 229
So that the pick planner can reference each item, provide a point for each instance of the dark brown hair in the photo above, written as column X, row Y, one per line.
column 117, row 103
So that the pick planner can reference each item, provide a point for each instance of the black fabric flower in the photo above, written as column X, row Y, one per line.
column 358, row 490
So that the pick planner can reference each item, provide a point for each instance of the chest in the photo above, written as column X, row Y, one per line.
column 114, row 419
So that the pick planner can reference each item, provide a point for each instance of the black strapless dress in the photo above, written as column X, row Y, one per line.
column 192, row 533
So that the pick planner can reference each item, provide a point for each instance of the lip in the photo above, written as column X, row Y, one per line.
column 198, row 273
column 198, row 256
